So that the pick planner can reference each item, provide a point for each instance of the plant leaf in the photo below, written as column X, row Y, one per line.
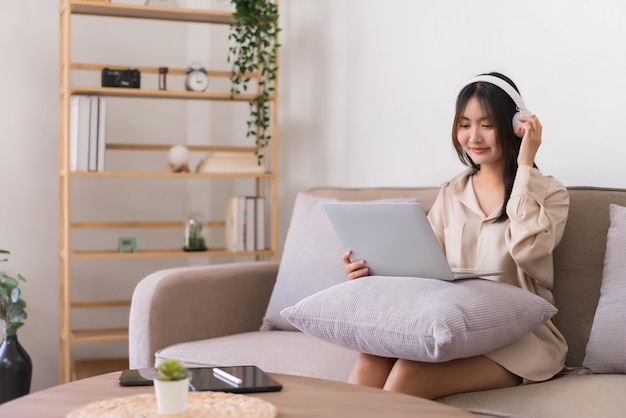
column 15, row 294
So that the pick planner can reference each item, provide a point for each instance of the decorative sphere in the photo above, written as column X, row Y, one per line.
column 178, row 155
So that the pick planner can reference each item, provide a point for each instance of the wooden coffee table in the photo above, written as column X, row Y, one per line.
column 300, row 397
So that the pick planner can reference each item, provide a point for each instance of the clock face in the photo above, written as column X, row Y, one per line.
column 197, row 80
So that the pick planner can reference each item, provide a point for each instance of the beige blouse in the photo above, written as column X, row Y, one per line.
column 522, row 246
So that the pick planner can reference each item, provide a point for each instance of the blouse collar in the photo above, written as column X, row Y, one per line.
column 463, row 187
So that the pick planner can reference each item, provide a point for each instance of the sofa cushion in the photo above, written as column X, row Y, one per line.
column 606, row 349
column 311, row 260
column 288, row 352
column 420, row 319
column 578, row 265
column 565, row 397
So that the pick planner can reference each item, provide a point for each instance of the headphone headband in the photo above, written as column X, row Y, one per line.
column 497, row 81
column 513, row 94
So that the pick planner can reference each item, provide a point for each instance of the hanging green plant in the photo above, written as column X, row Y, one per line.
column 254, row 49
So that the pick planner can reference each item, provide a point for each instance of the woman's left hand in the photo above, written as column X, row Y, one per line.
column 531, row 140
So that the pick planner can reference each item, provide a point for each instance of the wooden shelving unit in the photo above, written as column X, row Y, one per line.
column 265, row 183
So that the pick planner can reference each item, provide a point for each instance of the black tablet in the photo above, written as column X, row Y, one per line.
column 235, row 379
column 134, row 377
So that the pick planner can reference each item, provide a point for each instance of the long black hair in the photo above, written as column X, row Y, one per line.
column 500, row 108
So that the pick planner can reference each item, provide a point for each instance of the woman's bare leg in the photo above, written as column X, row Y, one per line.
column 434, row 380
column 370, row 370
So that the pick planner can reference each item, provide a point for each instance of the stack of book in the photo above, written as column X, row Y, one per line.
column 245, row 223
column 87, row 133
column 230, row 162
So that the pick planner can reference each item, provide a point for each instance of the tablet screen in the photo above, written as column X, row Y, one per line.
column 235, row 379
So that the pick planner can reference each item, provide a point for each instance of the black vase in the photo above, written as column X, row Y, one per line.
column 16, row 369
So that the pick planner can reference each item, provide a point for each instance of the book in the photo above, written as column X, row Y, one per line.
column 245, row 223
column 93, row 134
column 101, row 134
column 235, row 221
column 261, row 240
column 230, row 230
column 250, row 224
column 79, row 132
column 230, row 162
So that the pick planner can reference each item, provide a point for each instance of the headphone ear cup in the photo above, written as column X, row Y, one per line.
column 517, row 123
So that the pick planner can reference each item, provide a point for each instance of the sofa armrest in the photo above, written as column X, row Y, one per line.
column 193, row 303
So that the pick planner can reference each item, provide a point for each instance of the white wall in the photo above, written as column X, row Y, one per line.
column 367, row 92
column 368, row 88
column 28, row 170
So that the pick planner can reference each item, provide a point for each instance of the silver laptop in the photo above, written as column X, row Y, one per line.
column 394, row 239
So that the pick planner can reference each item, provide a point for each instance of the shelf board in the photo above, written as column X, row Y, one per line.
column 88, row 367
column 140, row 224
column 99, row 303
column 91, row 335
column 147, row 12
column 166, row 174
column 158, row 253
column 154, row 70
column 159, row 94
column 166, row 147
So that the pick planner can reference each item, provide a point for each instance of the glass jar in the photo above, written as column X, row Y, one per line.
column 194, row 241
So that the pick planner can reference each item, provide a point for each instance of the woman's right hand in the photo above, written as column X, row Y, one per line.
column 531, row 140
column 356, row 269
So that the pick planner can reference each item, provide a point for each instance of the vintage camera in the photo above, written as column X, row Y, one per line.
column 129, row 78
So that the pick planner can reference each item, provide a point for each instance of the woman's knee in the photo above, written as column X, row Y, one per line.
column 371, row 370
column 434, row 380
column 410, row 377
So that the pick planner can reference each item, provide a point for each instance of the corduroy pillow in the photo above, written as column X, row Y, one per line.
column 311, row 259
column 606, row 348
column 420, row 319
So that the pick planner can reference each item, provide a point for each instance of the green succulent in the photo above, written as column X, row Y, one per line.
column 171, row 369
column 12, row 307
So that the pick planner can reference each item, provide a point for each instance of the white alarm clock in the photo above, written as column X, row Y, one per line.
column 197, row 78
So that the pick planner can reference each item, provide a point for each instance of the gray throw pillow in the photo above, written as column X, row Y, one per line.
column 311, row 260
column 420, row 319
column 606, row 348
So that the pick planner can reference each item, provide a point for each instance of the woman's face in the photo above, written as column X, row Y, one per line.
column 477, row 135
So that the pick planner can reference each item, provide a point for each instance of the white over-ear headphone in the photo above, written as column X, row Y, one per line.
column 513, row 94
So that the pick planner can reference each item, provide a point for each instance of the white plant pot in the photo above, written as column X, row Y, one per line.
column 171, row 396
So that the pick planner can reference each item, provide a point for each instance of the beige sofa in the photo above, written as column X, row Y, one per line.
column 212, row 315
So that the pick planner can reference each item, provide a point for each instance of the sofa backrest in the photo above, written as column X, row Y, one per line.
column 578, row 260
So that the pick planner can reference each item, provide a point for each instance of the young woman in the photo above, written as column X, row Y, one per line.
column 503, row 214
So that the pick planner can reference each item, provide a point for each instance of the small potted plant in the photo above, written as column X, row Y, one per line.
column 171, row 386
